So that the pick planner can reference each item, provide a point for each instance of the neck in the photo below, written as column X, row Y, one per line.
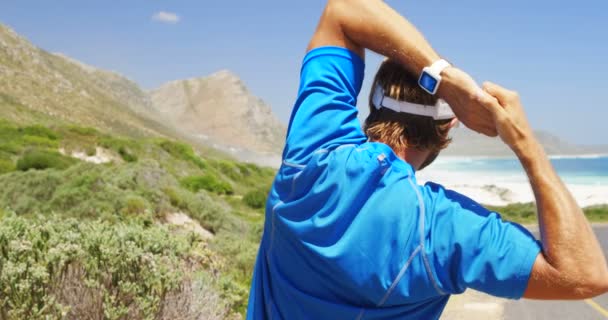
column 414, row 157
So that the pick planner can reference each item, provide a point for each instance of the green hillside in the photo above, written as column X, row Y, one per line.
column 40, row 87
column 105, row 224
column 91, row 180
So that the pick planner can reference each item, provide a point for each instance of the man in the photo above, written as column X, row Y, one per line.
column 349, row 234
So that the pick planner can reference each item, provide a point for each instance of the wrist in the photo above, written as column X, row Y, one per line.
column 451, row 84
column 527, row 148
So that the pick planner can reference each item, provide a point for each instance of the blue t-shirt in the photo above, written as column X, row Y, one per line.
column 349, row 234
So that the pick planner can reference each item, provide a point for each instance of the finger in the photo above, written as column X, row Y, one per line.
column 503, row 95
column 485, row 99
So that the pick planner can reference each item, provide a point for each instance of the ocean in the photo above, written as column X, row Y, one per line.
column 582, row 170
column 487, row 179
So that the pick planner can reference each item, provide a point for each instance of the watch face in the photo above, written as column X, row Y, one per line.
column 428, row 82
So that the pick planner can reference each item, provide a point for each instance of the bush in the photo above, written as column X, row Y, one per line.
column 90, row 151
column 207, row 182
column 229, row 169
column 518, row 212
column 6, row 165
column 11, row 147
column 39, row 131
column 126, row 154
column 597, row 213
column 182, row 151
column 41, row 160
column 176, row 198
column 83, row 131
column 135, row 205
column 124, row 148
column 54, row 268
column 256, row 199
column 43, row 142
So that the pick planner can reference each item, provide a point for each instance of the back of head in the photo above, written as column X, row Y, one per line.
column 404, row 130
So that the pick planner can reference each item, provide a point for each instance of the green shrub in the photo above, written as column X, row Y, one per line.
column 37, row 141
column 207, row 182
column 229, row 169
column 90, row 151
column 39, row 131
column 51, row 268
column 242, row 253
column 11, row 147
column 41, row 160
column 256, row 199
column 518, row 212
column 176, row 198
column 597, row 213
column 125, row 148
column 135, row 205
column 126, row 154
column 182, row 151
column 6, row 165
column 83, row 131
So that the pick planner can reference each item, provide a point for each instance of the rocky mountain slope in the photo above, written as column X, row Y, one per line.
column 36, row 85
column 221, row 109
column 218, row 111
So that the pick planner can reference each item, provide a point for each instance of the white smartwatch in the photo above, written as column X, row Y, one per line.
column 430, row 79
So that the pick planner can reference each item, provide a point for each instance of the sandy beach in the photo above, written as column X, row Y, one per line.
column 502, row 188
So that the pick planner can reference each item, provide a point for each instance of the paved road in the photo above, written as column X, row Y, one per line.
column 557, row 310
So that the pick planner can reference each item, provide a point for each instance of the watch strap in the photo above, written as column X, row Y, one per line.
column 438, row 66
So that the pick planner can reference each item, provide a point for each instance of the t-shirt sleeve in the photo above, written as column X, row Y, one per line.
column 325, row 112
column 471, row 247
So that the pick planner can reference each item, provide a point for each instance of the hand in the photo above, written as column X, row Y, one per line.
column 509, row 116
column 468, row 101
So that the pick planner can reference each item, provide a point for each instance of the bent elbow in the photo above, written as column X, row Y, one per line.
column 594, row 287
column 602, row 286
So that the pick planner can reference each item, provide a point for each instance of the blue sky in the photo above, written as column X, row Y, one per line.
column 552, row 52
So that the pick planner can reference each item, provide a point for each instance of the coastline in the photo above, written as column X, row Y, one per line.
column 500, row 181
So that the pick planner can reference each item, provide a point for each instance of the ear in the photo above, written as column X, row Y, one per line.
column 454, row 123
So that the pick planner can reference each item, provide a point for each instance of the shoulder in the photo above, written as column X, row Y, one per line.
column 333, row 64
column 441, row 199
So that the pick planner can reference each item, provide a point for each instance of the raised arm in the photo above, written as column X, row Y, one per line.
column 372, row 24
column 572, row 265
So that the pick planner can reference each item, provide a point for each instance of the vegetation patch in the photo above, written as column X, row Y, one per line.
column 182, row 151
column 62, row 199
column 39, row 131
column 256, row 199
column 124, row 148
column 6, row 165
column 42, row 159
column 207, row 182
column 53, row 268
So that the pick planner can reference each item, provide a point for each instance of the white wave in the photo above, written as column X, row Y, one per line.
column 580, row 156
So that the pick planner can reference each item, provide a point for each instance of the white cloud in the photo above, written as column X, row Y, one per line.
column 166, row 17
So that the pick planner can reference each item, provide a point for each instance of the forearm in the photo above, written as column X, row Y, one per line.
column 569, row 243
column 372, row 24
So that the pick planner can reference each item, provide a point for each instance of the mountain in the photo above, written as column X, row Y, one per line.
column 38, row 86
column 221, row 109
column 466, row 142
column 217, row 111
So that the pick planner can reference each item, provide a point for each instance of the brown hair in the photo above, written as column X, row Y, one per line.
column 403, row 130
